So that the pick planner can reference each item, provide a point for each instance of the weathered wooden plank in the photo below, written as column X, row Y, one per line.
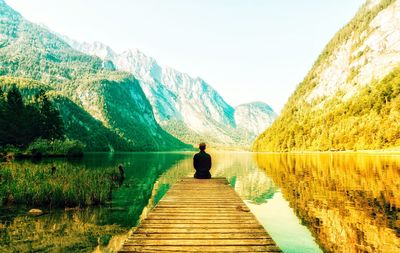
column 194, row 193
column 199, row 221
column 198, row 242
column 205, row 204
column 204, row 225
column 199, row 202
column 199, row 187
column 198, row 199
column 216, row 213
column 230, row 215
column 215, row 203
column 211, row 190
column 195, row 218
column 202, row 206
column 232, row 248
column 204, row 201
column 201, row 210
column 196, row 236
column 200, row 216
column 200, row 230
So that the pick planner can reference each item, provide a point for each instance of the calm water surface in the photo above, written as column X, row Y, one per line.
column 308, row 203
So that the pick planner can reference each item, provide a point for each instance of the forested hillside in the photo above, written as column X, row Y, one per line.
column 350, row 99
column 103, row 108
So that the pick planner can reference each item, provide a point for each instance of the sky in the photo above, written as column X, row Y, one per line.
column 248, row 50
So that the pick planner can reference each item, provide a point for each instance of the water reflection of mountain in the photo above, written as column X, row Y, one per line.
column 350, row 202
column 243, row 173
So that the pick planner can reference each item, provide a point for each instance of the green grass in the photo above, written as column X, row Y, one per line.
column 68, row 186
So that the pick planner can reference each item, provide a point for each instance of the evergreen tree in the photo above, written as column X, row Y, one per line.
column 51, row 125
column 14, row 112
column 2, row 118
column 22, row 123
column 14, row 99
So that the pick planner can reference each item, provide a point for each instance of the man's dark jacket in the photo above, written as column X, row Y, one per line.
column 202, row 164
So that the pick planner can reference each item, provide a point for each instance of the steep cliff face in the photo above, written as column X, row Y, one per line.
column 87, row 87
column 178, row 97
column 350, row 98
column 188, row 108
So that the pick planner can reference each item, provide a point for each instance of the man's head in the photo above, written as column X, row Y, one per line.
column 202, row 146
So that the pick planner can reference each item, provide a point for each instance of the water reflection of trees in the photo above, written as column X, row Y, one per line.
column 350, row 202
column 56, row 232
column 82, row 230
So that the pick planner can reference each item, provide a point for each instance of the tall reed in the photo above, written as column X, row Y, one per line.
column 62, row 185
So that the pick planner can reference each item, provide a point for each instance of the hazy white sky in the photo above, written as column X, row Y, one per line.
column 248, row 50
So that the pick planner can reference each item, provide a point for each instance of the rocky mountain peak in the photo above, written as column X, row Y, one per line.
column 97, row 48
column 188, row 108
column 255, row 117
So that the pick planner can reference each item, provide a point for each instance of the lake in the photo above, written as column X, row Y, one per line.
column 329, row 202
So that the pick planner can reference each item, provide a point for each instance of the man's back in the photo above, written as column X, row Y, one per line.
column 202, row 164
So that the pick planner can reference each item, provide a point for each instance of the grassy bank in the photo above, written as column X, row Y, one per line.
column 43, row 148
column 55, row 186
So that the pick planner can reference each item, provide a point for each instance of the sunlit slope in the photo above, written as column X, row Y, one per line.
column 103, row 108
column 350, row 98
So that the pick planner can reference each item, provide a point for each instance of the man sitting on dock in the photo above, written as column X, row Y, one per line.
column 202, row 163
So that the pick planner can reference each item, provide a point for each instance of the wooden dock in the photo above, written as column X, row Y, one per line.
column 200, row 216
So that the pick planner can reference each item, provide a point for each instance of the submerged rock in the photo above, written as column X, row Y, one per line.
column 35, row 212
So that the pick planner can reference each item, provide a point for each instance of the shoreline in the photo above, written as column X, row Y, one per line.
column 371, row 152
column 9, row 156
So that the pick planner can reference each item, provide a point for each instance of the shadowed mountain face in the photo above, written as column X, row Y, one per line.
column 186, row 107
column 103, row 108
column 350, row 99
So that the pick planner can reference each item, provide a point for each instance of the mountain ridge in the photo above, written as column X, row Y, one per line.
column 186, row 107
column 349, row 99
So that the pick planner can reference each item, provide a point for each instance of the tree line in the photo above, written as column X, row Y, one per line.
column 24, row 121
column 369, row 120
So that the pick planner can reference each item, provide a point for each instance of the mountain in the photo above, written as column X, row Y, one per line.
column 254, row 117
column 186, row 107
column 350, row 99
column 103, row 108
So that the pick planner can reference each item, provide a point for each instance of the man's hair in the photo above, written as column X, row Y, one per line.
column 202, row 146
